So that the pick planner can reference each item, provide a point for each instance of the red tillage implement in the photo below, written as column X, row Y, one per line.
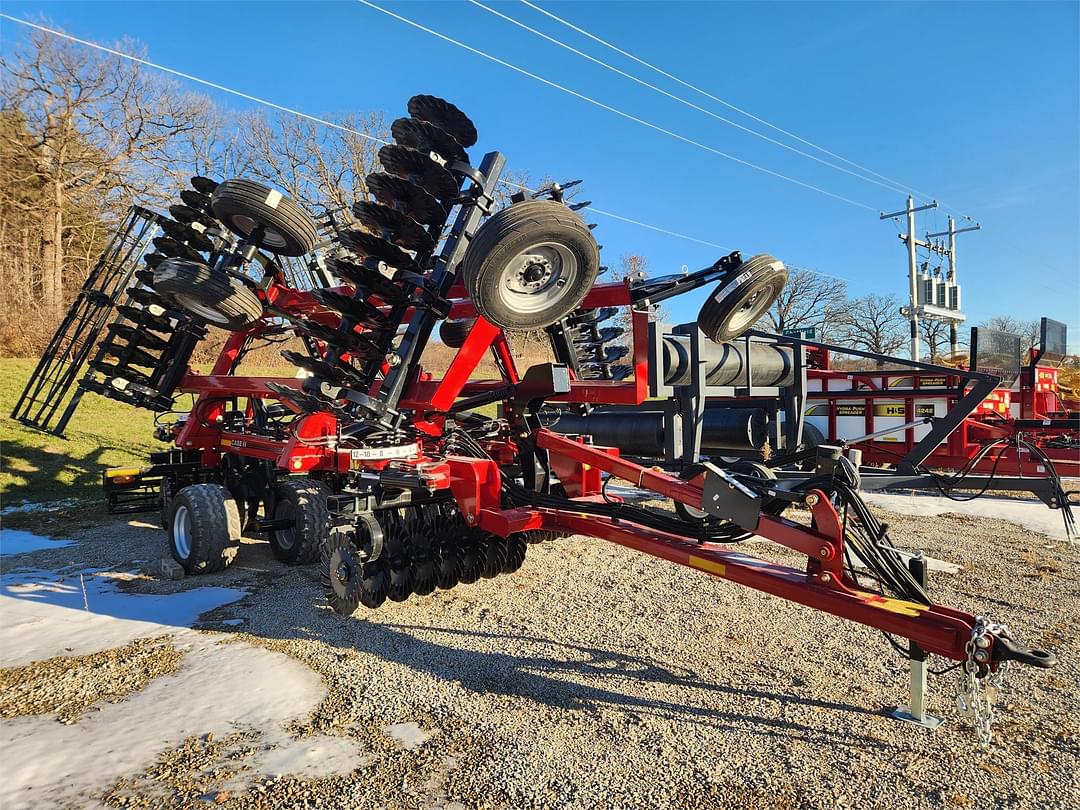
column 399, row 482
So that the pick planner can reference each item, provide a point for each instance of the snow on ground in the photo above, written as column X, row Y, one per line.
column 30, row 506
column 45, row 613
column 1033, row 515
column 220, row 688
column 14, row 542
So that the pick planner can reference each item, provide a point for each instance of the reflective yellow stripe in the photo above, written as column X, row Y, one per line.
column 708, row 565
column 897, row 605
column 122, row 472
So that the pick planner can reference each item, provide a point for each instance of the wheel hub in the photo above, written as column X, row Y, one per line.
column 535, row 277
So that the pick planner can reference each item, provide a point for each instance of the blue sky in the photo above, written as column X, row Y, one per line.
column 973, row 103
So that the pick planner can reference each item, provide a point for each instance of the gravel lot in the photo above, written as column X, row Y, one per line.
column 599, row 677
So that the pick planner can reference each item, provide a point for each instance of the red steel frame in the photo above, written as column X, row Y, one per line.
column 476, row 483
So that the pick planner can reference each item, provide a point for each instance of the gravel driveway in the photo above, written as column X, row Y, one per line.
column 597, row 677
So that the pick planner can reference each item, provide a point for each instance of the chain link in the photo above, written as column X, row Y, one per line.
column 977, row 692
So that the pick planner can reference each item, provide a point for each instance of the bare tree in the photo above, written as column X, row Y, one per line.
column 873, row 323
column 322, row 168
column 808, row 300
column 94, row 127
column 1028, row 330
column 935, row 334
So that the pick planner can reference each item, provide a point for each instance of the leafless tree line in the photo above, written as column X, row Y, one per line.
column 84, row 134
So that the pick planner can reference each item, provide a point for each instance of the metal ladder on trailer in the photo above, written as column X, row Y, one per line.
column 67, row 352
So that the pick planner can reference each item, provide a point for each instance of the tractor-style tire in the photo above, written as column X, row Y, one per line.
column 244, row 205
column 213, row 296
column 303, row 501
column 530, row 265
column 204, row 528
column 737, row 303
column 453, row 333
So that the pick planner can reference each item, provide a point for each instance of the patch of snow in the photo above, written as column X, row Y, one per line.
column 29, row 506
column 15, row 541
column 48, row 614
column 232, row 622
column 408, row 735
column 219, row 689
column 1033, row 515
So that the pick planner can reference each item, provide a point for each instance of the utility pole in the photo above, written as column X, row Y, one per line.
column 912, row 243
column 951, row 252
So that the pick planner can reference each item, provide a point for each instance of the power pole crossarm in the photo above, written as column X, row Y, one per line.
column 896, row 214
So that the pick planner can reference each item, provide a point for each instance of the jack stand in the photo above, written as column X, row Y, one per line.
column 915, row 711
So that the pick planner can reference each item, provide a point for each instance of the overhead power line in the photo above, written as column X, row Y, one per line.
column 728, row 104
column 122, row 55
column 615, row 110
column 889, row 185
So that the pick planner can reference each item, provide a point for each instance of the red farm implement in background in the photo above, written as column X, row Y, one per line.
column 398, row 482
column 888, row 412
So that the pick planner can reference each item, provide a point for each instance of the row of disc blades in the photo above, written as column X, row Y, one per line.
column 399, row 228
column 423, row 548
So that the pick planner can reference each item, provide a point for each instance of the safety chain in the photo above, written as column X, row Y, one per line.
column 979, row 687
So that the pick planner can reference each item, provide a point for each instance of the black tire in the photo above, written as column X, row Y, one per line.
column 303, row 501
column 536, row 293
column 215, row 297
column 737, row 303
column 453, row 333
column 204, row 528
column 812, row 438
column 243, row 205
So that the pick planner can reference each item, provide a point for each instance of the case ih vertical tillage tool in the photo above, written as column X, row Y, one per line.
column 393, row 481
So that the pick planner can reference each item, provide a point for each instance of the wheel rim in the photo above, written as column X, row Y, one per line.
column 538, row 277
column 181, row 532
column 748, row 312
column 285, row 537
column 197, row 308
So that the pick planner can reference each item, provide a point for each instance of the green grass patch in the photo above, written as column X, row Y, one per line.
column 39, row 467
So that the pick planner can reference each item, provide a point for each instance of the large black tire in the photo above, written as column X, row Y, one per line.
column 302, row 501
column 453, row 333
column 204, row 528
column 243, row 205
column 737, row 303
column 215, row 297
column 530, row 265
